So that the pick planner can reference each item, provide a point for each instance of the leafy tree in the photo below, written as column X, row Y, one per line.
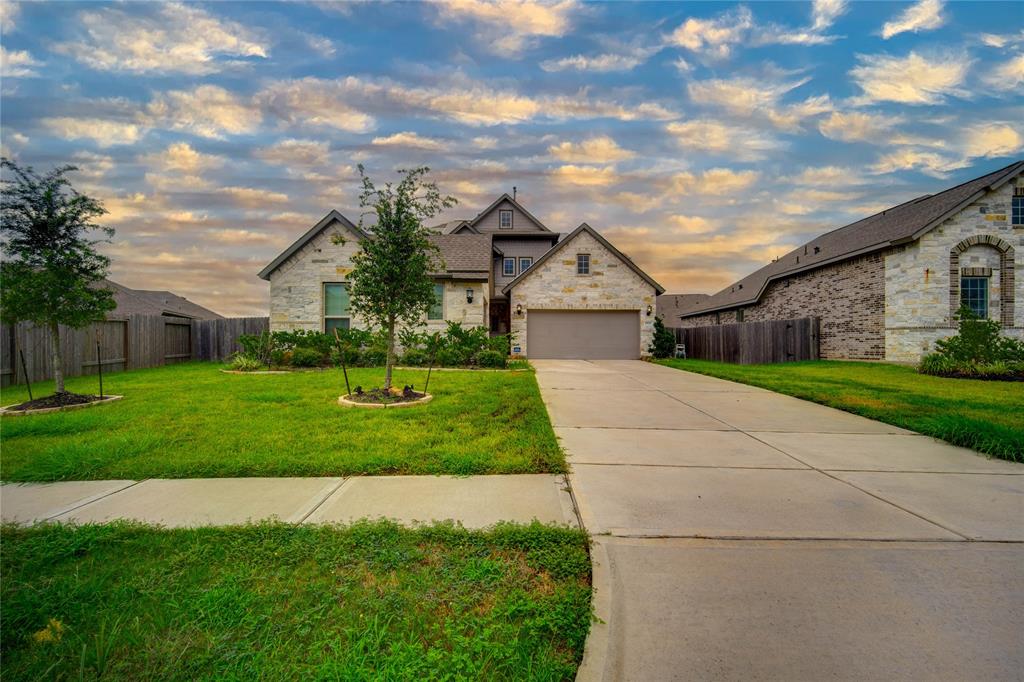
column 390, row 281
column 50, row 262
column 664, row 343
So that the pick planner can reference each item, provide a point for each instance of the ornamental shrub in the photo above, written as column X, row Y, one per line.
column 246, row 363
column 977, row 350
column 307, row 357
column 414, row 357
column 492, row 358
column 664, row 343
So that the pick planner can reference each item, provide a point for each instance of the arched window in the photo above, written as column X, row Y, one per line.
column 970, row 286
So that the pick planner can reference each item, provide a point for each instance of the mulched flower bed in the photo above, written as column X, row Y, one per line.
column 383, row 397
column 63, row 399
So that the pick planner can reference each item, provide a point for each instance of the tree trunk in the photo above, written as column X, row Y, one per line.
column 58, row 360
column 390, row 361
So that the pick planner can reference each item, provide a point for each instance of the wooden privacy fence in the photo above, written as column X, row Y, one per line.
column 749, row 343
column 130, row 343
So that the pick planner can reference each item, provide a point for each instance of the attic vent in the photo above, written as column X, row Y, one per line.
column 817, row 249
column 1018, row 191
column 740, row 286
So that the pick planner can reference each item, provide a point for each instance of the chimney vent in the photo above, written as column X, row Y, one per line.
column 513, row 192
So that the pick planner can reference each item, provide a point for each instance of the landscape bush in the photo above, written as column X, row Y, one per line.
column 246, row 363
column 977, row 351
column 457, row 346
column 664, row 343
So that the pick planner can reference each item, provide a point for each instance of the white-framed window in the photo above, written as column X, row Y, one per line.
column 508, row 267
column 582, row 263
column 974, row 295
column 436, row 311
column 336, row 307
column 524, row 264
column 1017, row 207
column 504, row 219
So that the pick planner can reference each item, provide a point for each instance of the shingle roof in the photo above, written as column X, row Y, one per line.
column 149, row 302
column 464, row 253
column 674, row 303
column 897, row 225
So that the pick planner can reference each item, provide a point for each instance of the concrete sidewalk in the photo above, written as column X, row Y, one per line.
column 743, row 534
column 474, row 501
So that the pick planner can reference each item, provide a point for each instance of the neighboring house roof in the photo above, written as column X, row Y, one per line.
column 326, row 221
column 566, row 240
column 900, row 224
column 149, row 302
column 505, row 197
column 466, row 256
column 673, row 303
column 453, row 226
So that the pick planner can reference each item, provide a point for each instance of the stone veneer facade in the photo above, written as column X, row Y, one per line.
column 894, row 304
column 554, row 285
column 922, row 280
column 297, row 285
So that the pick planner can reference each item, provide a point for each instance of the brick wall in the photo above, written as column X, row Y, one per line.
column 848, row 297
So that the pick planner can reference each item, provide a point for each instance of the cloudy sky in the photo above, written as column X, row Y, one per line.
column 702, row 138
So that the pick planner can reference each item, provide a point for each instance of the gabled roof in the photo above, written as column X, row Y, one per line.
column 464, row 253
column 505, row 197
column 148, row 302
column 673, row 303
column 568, row 239
column 323, row 224
column 454, row 227
column 900, row 224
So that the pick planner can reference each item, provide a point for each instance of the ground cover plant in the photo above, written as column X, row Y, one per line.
column 977, row 351
column 280, row 602
column 983, row 415
column 191, row 420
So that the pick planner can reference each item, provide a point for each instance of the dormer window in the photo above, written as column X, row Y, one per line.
column 505, row 220
column 582, row 263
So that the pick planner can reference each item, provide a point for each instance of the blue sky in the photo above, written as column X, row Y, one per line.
column 704, row 139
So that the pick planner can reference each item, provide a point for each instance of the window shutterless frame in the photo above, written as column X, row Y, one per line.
column 436, row 311
column 582, row 263
column 524, row 264
column 508, row 267
column 504, row 219
column 1017, row 208
column 336, row 307
column 974, row 294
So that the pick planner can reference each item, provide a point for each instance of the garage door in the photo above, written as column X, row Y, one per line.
column 583, row 334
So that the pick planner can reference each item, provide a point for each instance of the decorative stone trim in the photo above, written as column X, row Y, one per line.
column 975, row 272
column 8, row 412
column 1006, row 275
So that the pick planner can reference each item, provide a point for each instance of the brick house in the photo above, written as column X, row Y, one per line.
column 886, row 287
column 561, row 296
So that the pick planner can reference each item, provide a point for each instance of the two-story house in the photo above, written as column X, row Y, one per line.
column 561, row 296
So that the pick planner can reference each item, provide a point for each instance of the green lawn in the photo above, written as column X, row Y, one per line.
column 278, row 602
column 191, row 420
column 987, row 416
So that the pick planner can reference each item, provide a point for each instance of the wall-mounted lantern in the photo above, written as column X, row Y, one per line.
column 469, row 295
column 649, row 310
column 519, row 308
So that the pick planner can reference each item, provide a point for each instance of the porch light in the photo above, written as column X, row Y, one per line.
column 649, row 310
column 519, row 308
column 469, row 295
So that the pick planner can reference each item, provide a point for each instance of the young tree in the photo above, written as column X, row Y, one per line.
column 390, row 283
column 663, row 345
column 50, row 262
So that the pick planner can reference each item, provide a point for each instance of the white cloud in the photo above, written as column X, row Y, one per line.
column 744, row 144
column 17, row 63
column 408, row 139
column 180, row 157
column 759, row 98
column 485, row 142
column 9, row 12
column 601, row 63
column 104, row 132
column 601, row 149
column 207, row 111
column 587, row 176
column 714, row 182
column 175, row 38
column 992, row 140
column 825, row 12
column 250, row 197
column 1001, row 40
column 686, row 224
column 913, row 79
column 321, row 45
column 1007, row 76
column 291, row 152
column 924, row 16
column 929, row 163
column 508, row 27
column 313, row 101
column 857, row 126
column 714, row 37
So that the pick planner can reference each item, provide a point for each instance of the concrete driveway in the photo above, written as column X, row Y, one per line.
column 743, row 534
